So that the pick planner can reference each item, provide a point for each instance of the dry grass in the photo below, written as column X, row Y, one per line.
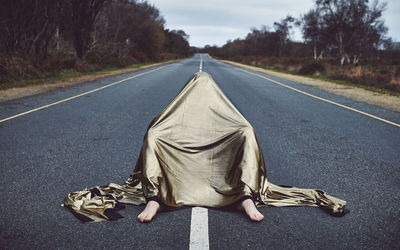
column 378, row 98
column 371, row 74
column 32, row 87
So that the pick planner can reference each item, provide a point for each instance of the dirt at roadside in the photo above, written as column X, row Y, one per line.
column 358, row 94
column 15, row 93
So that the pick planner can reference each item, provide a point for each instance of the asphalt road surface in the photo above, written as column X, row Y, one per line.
column 95, row 139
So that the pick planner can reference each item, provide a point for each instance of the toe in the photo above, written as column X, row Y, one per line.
column 257, row 217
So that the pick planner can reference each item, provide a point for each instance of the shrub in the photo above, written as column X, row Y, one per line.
column 54, row 64
column 140, row 56
column 103, row 58
column 311, row 68
column 127, row 60
column 83, row 66
column 16, row 68
column 69, row 62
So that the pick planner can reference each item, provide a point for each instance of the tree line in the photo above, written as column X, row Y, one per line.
column 346, row 29
column 95, row 30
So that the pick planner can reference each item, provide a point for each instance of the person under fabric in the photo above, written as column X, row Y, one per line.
column 199, row 151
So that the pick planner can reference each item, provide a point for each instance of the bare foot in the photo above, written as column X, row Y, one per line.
column 149, row 212
column 251, row 210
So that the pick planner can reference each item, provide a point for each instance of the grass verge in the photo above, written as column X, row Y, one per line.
column 328, row 79
column 66, row 75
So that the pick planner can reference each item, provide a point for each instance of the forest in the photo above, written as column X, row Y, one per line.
column 344, row 40
column 41, row 38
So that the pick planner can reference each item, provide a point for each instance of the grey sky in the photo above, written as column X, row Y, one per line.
column 214, row 22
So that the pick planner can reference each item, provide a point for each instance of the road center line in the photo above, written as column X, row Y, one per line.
column 201, row 64
column 322, row 99
column 199, row 229
column 85, row 93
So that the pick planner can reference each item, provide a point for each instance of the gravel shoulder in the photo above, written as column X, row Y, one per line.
column 358, row 94
column 15, row 93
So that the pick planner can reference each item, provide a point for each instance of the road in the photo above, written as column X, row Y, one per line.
column 95, row 139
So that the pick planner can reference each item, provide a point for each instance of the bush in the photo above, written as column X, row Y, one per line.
column 311, row 68
column 83, row 66
column 378, row 73
column 140, row 56
column 54, row 64
column 103, row 58
column 14, row 68
column 127, row 60
column 69, row 62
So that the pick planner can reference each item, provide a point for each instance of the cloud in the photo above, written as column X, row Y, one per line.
column 216, row 21
column 211, row 35
column 392, row 19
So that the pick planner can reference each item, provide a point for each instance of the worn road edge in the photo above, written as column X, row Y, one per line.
column 20, row 92
column 358, row 94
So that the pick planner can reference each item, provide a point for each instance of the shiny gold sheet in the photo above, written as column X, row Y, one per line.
column 200, row 151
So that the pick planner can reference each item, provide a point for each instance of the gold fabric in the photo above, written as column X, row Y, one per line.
column 200, row 151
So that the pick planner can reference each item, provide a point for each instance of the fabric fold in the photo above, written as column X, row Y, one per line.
column 199, row 151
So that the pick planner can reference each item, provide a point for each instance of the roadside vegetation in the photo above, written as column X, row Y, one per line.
column 57, row 39
column 344, row 40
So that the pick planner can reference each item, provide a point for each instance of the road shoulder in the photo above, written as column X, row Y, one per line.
column 19, row 92
column 358, row 94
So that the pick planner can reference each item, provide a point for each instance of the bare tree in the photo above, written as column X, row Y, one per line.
column 176, row 42
column 314, row 31
column 79, row 17
column 263, row 42
column 27, row 28
column 352, row 28
column 132, row 27
column 282, row 29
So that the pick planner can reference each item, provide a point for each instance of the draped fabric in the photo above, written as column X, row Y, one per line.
column 199, row 151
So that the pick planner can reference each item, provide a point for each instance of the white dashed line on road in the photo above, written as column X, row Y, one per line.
column 199, row 229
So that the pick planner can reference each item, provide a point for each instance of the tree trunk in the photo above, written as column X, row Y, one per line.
column 355, row 59
column 315, row 51
column 320, row 55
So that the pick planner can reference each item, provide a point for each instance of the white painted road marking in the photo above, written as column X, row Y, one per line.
column 201, row 63
column 76, row 96
column 322, row 99
column 199, row 229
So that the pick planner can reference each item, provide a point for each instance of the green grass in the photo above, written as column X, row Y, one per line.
column 68, row 74
column 328, row 79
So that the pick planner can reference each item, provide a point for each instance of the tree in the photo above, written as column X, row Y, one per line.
column 79, row 17
column 314, row 31
column 132, row 27
column 282, row 29
column 351, row 28
column 27, row 28
column 235, row 48
column 176, row 41
column 263, row 42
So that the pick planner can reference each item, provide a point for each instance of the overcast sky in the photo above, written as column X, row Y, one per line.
column 214, row 22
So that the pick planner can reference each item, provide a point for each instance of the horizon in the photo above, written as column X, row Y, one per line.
column 209, row 24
